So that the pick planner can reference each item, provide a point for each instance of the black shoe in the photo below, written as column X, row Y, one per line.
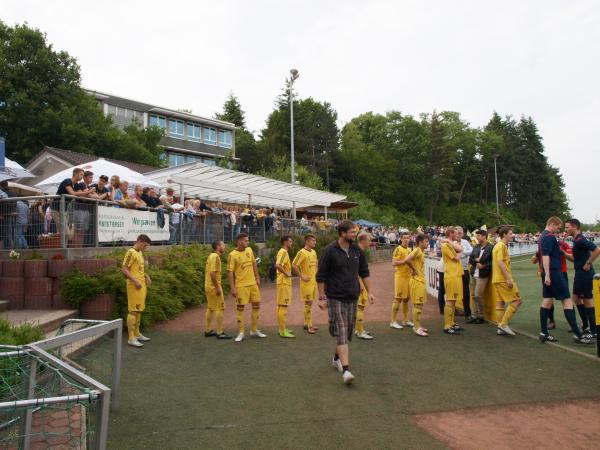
column 471, row 320
column 584, row 339
column 306, row 327
column 480, row 320
column 451, row 331
column 210, row 333
column 455, row 327
column 223, row 336
column 586, row 330
column 551, row 325
column 547, row 338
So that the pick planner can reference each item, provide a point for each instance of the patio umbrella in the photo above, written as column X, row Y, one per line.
column 13, row 170
column 99, row 167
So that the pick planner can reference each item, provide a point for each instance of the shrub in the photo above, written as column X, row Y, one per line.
column 21, row 334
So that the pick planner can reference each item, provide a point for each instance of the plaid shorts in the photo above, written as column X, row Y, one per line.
column 342, row 316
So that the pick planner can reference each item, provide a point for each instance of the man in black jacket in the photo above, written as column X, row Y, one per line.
column 340, row 265
column 481, row 269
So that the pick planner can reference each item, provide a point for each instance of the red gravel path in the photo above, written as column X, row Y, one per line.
column 382, row 283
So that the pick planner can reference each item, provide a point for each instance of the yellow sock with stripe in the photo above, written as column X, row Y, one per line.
column 308, row 315
column 239, row 317
column 498, row 314
column 208, row 319
column 395, row 308
column 448, row 315
column 281, row 317
column 131, row 320
column 405, row 310
column 417, row 310
column 510, row 311
column 255, row 316
column 138, row 320
column 219, row 313
column 360, row 319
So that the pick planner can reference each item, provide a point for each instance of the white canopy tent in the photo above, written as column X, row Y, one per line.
column 12, row 170
column 99, row 167
column 230, row 186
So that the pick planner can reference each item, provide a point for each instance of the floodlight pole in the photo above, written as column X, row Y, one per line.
column 294, row 75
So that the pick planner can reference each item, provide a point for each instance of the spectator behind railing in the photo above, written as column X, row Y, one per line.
column 100, row 190
column 115, row 183
column 138, row 202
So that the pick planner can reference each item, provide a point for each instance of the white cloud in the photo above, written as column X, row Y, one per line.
column 535, row 58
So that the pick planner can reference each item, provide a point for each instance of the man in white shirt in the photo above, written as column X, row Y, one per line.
column 464, row 259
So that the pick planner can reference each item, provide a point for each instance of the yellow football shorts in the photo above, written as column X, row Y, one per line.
column 136, row 298
column 284, row 294
column 454, row 288
column 506, row 294
column 247, row 294
column 418, row 291
column 215, row 301
column 401, row 287
column 307, row 291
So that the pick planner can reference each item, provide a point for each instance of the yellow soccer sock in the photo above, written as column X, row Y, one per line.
column 395, row 308
column 510, row 311
column 208, row 319
column 281, row 317
column 360, row 317
column 448, row 315
column 498, row 314
column 417, row 310
column 255, row 315
column 138, row 320
column 405, row 310
column 308, row 315
column 239, row 317
column 219, row 313
column 131, row 320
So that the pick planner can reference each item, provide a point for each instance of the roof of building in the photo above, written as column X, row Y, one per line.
column 218, row 184
column 76, row 158
column 123, row 102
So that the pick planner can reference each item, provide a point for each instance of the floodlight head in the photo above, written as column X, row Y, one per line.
column 294, row 73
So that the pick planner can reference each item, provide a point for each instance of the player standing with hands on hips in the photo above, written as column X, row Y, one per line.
column 340, row 265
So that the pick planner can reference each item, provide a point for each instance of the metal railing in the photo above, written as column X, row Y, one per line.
column 74, row 222
column 46, row 400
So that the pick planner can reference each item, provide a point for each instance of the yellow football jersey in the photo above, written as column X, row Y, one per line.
column 306, row 260
column 401, row 253
column 283, row 259
column 500, row 253
column 452, row 267
column 134, row 261
column 418, row 262
column 213, row 264
column 241, row 264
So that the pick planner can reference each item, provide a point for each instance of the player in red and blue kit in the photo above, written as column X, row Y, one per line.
column 584, row 254
column 554, row 283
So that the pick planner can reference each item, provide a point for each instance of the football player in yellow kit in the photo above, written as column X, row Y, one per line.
column 418, row 291
column 305, row 265
column 363, row 241
column 451, row 250
column 214, row 292
column 284, row 285
column 401, row 283
column 137, row 288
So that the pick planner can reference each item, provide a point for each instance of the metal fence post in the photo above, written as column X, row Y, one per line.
column 264, row 229
column 181, row 228
column 116, row 377
column 102, row 419
column 29, row 412
column 97, row 227
column 63, row 222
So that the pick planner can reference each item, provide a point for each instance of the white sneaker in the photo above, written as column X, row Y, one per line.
column 421, row 332
column 364, row 335
column 396, row 325
column 347, row 377
column 239, row 337
column 135, row 343
column 408, row 323
column 337, row 364
column 507, row 330
column 142, row 338
column 258, row 334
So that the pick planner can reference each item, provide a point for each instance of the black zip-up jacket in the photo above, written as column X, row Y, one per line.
column 340, row 271
column 486, row 260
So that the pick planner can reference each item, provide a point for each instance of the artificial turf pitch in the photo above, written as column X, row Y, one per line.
column 185, row 391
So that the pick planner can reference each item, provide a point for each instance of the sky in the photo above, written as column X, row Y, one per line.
column 537, row 58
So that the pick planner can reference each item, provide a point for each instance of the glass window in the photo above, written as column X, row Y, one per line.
column 210, row 136
column 225, row 138
column 111, row 109
column 158, row 121
column 192, row 158
column 210, row 162
column 175, row 127
column 193, row 132
column 176, row 159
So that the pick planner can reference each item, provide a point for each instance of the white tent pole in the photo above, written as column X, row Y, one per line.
column 181, row 194
column 326, row 213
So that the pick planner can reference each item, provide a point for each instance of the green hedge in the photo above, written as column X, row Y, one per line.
column 21, row 334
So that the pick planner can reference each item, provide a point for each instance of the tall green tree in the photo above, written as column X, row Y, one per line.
column 42, row 103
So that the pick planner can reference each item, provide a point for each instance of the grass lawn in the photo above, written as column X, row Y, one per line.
column 527, row 318
column 184, row 391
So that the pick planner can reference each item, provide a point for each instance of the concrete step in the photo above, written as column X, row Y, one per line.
column 48, row 320
column 4, row 305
